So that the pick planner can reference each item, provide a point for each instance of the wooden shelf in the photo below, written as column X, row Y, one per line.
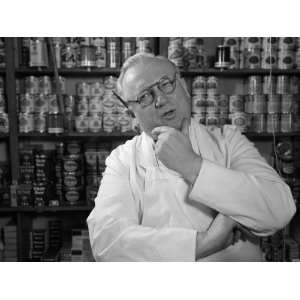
column 76, row 135
column 68, row 72
column 45, row 209
column 238, row 72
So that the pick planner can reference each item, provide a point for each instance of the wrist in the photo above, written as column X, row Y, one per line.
column 193, row 169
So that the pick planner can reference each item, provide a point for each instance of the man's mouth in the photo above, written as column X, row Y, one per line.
column 169, row 114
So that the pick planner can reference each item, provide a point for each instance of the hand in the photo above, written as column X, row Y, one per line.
column 175, row 151
column 219, row 236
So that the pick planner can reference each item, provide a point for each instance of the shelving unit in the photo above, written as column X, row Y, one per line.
column 12, row 72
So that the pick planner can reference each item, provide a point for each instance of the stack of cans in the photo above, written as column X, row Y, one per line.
column 4, row 125
column 187, row 52
column 271, row 103
column 38, row 106
column 89, row 107
column 235, row 53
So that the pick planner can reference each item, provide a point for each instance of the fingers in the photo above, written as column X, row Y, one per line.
column 159, row 130
column 185, row 127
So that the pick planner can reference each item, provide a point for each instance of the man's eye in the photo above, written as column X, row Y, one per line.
column 145, row 96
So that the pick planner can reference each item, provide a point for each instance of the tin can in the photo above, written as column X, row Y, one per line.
column 294, row 85
column 199, row 98
column 191, row 56
column 200, row 118
column 31, row 85
column 234, row 58
column 27, row 103
column 223, row 119
column 240, row 120
column 287, row 104
column 252, row 43
column 174, row 41
column 258, row 123
column 212, row 83
column 52, row 103
column 202, row 58
column 254, row 85
column 270, row 43
column 108, row 122
column 286, row 59
column 274, row 104
column 95, row 104
column 273, row 123
column 41, row 104
column 98, row 41
column 125, row 122
column 212, row 100
column 72, row 180
column 69, row 124
column 45, row 85
column 212, row 110
column 95, row 122
column 2, row 103
column 286, row 122
column 198, row 107
column 72, row 163
column 38, row 56
column 199, row 85
column 144, row 44
column 4, row 124
column 82, row 123
column 87, row 57
column 72, row 195
column 283, row 85
column 109, row 103
column 113, row 55
column 57, row 53
column 286, row 43
column 40, row 122
column 224, row 103
column 55, row 123
column 82, row 105
column 252, row 58
column 259, row 104
column 176, row 54
column 297, row 58
column 83, row 89
column 232, row 42
column 128, row 48
column 97, row 89
column 68, row 56
column 100, row 56
column 269, row 60
column 248, row 104
column 69, row 103
column 269, row 84
column 110, row 82
column 212, row 119
column 1, row 85
column 26, row 122
column 236, row 103
column 62, row 85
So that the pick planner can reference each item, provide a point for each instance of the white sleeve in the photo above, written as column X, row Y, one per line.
column 115, row 230
column 250, row 192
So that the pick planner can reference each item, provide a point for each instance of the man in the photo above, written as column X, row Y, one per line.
column 177, row 191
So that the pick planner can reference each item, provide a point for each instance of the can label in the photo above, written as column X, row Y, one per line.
column 232, row 42
column 239, row 119
column 40, row 121
column 269, row 85
column 270, row 43
column 69, row 56
column 258, row 123
column 82, row 105
column 259, row 104
column 108, row 122
column 286, row 59
column 45, row 85
column 52, row 103
column 286, row 43
column 252, row 58
column 234, row 58
column 269, row 60
column 273, row 123
column 200, row 118
column 283, row 85
column 27, row 104
column 83, row 89
column 41, row 104
column 212, row 119
column 125, row 122
column 110, row 82
column 252, row 43
column 82, row 123
column 4, row 125
column 95, row 104
column 287, row 103
column 236, row 103
column 26, row 122
column 274, row 104
column 97, row 89
column 95, row 123
column 286, row 123
column 254, row 84
column 100, row 57
column 32, row 85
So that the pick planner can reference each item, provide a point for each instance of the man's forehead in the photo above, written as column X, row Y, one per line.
column 146, row 73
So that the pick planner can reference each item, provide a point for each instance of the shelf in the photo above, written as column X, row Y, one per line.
column 4, row 135
column 76, row 135
column 238, row 72
column 270, row 135
column 46, row 209
column 68, row 72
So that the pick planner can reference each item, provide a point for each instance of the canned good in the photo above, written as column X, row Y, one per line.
column 57, row 53
column 2, row 103
column 269, row 59
column 45, row 85
column 274, row 104
column 202, row 58
column 175, row 55
column 198, row 107
column 258, row 123
column 97, row 89
column 1, row 85
column 223, row 119
column 98, row 41
column 109, row 103
column 254, row 85
column 69, row 122
column 68, row 56
column 249, row 104
column 82, row 105
column 87, row 57
column 252, row 58
column 212, row 83
column 4, row 124
column 212, row 110
column 125, row 122
column 72, row 180
column 95, row 104
column 100, row 56
column 40, row 122
column 270, row 43
column 252, row 43
column 128, row 48
column 294, row 85
column 62, row 84
column 286, row 59
column 259, row 104
column 273, row 123
column 31, row 85
column 144, row 44
column 175, row 41
column 27, row 103
column 69, row 103
column 200, row 118
column 83, row 89
column 242, row 59
column 286, row 43
column 212, row 100
column 199, row 85
column 72, row 195
column 108, row 122
column 297, row 58
column 191, row 56
column 269, row 85
column 232, row 42
column 82, row 123
column 240, row 120
column 234, row 58
column 236, row 103
column 224, row 103
column 26, row 122
column 212, row 119
column 55, row 123
column 287, row 103
column 110, row 82
column 52, row 103
column 95, row 122
column 38, row 56
column 113, row 56
column 283, row 85
column 286, row 122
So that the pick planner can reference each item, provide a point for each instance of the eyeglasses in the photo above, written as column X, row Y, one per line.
column 147, row 96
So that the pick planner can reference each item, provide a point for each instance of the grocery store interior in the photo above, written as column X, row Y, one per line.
column 59, row 121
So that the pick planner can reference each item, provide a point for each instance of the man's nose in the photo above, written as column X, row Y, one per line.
column 160, row 98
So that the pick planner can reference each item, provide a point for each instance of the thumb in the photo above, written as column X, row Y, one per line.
column 185, row 127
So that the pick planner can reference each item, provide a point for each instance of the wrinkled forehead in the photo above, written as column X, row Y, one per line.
column 143, row 74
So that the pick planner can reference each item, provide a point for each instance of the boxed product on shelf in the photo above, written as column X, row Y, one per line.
column 10, row 241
